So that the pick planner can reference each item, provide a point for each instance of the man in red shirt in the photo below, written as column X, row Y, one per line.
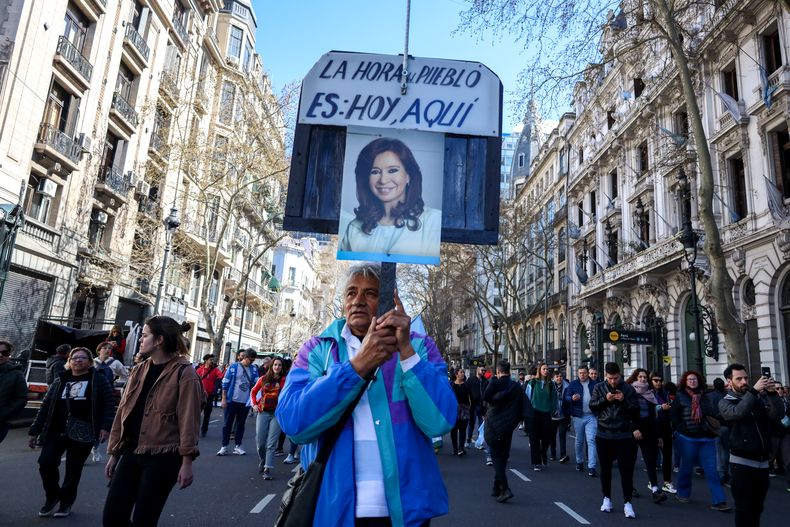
column 209, row 375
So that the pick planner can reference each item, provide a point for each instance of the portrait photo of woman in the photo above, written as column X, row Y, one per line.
column 392, row 221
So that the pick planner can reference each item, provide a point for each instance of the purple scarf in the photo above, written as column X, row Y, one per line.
column 643, row 389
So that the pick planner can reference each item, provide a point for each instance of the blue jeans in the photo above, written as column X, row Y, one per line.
column 267, row 431
column 698, row 452
column 585, row 428
column 475, row 418
column 234, row 412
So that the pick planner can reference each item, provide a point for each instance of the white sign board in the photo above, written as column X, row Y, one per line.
column 361, row 89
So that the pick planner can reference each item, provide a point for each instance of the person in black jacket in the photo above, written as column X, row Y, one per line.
column 57, row 363
column 78, row 409
column 614, row 403
column 506, row 409
column 13, row 388
column 750, row 419
column 477, row 387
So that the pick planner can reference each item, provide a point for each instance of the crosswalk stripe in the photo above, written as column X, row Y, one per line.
column 262, row 504
column 572, row 513
column 519, row 474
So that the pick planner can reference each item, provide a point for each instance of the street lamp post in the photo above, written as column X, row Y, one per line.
column 171, row 224
column 689, row 239
column 495, row 325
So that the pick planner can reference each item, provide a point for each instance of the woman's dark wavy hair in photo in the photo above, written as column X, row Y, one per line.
column 370, row 209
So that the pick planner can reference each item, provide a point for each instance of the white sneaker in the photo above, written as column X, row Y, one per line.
column 223, row 451
column 606, row 506
column 289, row 460
column 239, row 451
column 96, row 455
column 670, row 488
column 628, row 510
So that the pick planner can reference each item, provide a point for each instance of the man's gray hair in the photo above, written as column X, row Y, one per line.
column 366, row 269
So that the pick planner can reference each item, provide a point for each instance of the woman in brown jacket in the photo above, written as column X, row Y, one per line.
column 154, row 436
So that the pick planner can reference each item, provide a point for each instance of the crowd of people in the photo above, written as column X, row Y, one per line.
column 730, row 433
column 369, row 395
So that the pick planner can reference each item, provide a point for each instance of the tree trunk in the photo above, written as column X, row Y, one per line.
column 720, row 284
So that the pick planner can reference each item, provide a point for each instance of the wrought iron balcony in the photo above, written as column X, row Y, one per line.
column 50, row 136
column 149, row 207
column 72, row 55
column 137, row 40
column 120, row 105
column 181, row 29
column 115, row 180
column 157, row 143
column 169, row 83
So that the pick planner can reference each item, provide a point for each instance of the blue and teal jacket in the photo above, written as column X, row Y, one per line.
column 229, row 379
column 408, row 410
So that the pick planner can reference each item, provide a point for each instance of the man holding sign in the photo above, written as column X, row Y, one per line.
column 382, row 470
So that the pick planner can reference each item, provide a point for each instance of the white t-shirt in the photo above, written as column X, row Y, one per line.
column 368, row 472
column 586, row 397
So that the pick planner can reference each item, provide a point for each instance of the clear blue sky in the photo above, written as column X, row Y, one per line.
column 293, row 34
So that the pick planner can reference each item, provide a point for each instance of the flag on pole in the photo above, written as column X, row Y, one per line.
column 775, row 201
column 730, row 104
column 768, row 90
column 573, row 230
column 678, row 139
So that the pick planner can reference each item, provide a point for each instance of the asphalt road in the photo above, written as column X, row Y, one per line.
column 229, row 491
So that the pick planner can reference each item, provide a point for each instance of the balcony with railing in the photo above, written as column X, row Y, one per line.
column 92, row 9
column 168, row 86
column 137, row 46
column 74, row 65
column 58, row 147
column 181, row 30
column 41, row 233
column 113, row 182
column 125, row 114
column 148, row 207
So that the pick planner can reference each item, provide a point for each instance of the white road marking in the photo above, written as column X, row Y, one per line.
column 262, row 504
column 213, row 421
column 571, row 435
column 572, row 513
column 520, row 475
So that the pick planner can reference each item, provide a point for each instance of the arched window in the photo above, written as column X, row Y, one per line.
column 563, row 331
column 550, row 334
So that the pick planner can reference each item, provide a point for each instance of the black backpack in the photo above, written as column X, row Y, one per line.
column 104, row 368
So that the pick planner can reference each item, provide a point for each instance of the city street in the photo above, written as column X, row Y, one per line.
column 228, row 491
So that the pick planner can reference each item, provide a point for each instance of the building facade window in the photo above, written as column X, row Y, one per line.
column 292, row 276
column 227, row 103
column 521, row 161
column 772, row 51
column 780, row 160
column 76, row 30
column 124, row 83
column 737, row 173
column 643, row 159
column 729, row 81
column 62, row 109
column 234, row 42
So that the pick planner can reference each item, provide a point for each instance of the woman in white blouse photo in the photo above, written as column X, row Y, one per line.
column 392, row 218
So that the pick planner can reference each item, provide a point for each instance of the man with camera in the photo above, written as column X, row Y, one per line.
column 749, row 412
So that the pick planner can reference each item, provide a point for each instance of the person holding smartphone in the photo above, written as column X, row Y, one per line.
column 750, row 411
column 615, row 405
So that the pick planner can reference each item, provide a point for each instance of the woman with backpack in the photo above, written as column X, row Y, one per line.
column 265, row 395
column 154, row 437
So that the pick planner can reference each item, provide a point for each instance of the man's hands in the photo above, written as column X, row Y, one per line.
column 104, row 435
column 576, row 397
column 31, row 441
column 400, row 321
column 637, row 435
column 610, row 396
column 377, row 348
column 385, row 336
column 764, row 383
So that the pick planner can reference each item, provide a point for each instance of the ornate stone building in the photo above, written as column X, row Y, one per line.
column 632, row 185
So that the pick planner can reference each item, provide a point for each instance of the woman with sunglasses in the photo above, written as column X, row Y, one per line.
column 663, row 429
column 77, row 410
column 154, row 437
